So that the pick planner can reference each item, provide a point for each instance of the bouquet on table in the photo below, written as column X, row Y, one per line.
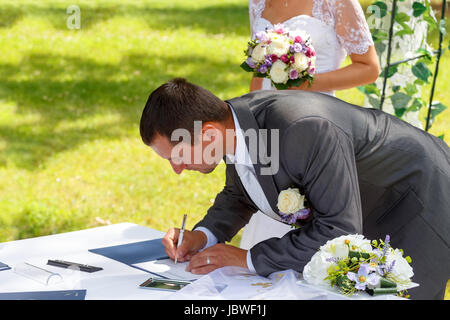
column 353, row 263
column 284, row 57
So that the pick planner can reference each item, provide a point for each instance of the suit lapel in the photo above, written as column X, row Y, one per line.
column 247, row 121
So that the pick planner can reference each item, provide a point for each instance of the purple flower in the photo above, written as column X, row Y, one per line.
column 262, row 68
column 390, row 267
column 268, row 62
column 387, row 245
column 297, row 47
column 293, row 74
column 363, row 278
column 250, row 63
column 291, row 218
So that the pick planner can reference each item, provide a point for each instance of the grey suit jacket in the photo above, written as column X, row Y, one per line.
column 362, row 170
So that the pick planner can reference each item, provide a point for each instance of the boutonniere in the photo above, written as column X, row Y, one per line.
column 291, row 206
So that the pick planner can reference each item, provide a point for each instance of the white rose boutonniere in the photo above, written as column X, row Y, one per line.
column 291, row 205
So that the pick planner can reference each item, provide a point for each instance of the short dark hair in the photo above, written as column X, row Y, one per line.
column 177, row 104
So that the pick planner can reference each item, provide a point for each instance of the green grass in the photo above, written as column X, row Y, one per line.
column 70, row 102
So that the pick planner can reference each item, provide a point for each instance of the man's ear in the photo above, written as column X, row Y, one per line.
column 210, row 130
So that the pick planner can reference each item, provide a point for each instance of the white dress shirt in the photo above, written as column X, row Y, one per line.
column 244, row 167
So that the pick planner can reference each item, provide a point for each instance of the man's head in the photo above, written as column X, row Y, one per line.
column 185, row 124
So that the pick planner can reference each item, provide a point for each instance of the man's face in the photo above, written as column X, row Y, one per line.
column 201, row 156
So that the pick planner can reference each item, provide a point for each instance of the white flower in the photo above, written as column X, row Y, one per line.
column 315, row 270
column 401, row 271
column 290, row 200
column 259, row 52
column 278, row 72
column 279, row 44
column 301, row 61
column 340, row 246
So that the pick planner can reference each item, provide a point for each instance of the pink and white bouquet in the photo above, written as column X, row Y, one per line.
column 286, row 58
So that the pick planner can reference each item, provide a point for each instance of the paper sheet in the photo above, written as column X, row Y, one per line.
column 167, row 268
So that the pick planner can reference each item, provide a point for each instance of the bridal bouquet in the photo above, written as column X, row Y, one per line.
column 353, row 263
column 284, row 57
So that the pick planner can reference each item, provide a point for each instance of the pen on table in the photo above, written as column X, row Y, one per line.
column 180, row 237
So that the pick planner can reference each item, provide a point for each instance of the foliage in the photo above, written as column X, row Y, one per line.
column 410, row 19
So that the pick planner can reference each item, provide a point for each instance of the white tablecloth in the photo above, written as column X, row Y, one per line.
column 115, row 281
column 120, row 281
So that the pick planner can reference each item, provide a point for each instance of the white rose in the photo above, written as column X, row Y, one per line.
column 290, row 201
column 315, row 271
column 279, row 44
column 278, row 72
column 259, row 52
column 401, row 271
column 301, row 61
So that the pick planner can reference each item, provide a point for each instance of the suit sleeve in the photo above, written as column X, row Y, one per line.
column 320, row 157
column 231, row 209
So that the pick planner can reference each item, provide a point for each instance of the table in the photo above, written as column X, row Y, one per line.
column 118, row 281
column 115, row 281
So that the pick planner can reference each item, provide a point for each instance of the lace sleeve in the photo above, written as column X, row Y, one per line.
column 255, row 7
column 351, row 26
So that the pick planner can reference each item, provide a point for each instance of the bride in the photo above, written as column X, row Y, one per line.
column 337, row 28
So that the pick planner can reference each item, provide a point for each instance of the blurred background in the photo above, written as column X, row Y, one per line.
column 71, row 156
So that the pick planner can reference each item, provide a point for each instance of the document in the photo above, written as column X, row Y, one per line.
column 168, row 269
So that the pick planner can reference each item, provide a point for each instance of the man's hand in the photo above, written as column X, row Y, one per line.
column 192, row 242
column 219, row 255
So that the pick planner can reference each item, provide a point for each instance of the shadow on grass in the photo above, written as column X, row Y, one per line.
column 65, row 108
column 215, row 19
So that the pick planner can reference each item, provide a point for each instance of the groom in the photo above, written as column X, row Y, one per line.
column 362, row 171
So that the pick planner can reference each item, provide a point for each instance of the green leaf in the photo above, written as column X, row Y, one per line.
column 391, row 72
column 259, row 75
column 416, row 105
column 421, row 71
column 358, row 255
column 436, row 108
column 378, row 36
column 410, row 89
column 441, row 137
column 369, row 89
column 406, row 30
column 418, row 9
column 280, row 86
column 401, row 17
column 400, row 101
column 246, row 67
column 294, row 83
column 374, row 102
column 428, row 55
column 379, row 9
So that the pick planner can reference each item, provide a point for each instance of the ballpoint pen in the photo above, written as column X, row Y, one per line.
column 180, row 237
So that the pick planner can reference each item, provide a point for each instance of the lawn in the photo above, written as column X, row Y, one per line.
column 70, row 102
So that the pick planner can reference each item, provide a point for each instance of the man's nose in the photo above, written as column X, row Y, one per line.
column 178, row 168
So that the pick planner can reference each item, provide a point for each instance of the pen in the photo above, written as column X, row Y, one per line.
column 180, row 237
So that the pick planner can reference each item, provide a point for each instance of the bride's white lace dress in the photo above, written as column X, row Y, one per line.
column 337, row 28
